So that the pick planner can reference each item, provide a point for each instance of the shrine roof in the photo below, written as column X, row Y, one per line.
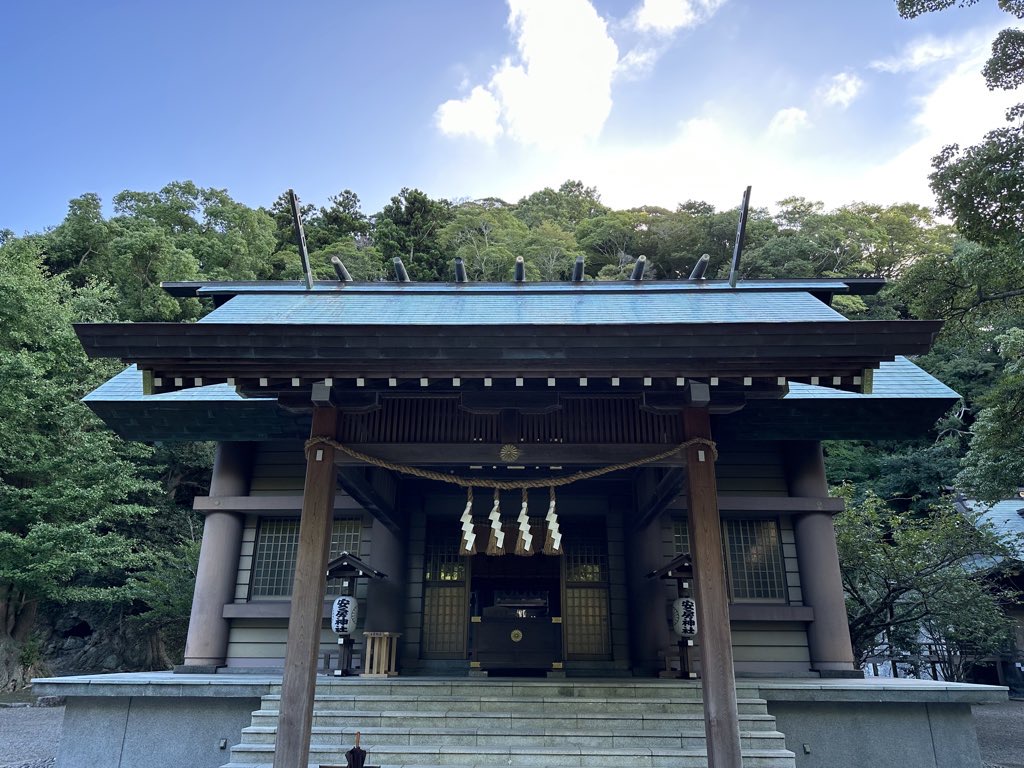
column 503, row 307
column 1006, row 517
column 904, row 402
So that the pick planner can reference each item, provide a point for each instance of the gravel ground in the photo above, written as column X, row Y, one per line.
column 29, row 735
column 1001, row 734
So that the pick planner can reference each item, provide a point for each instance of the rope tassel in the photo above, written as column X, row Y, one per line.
column 524, row 542
column 496, row 541
column 468, row 531
column 553, row 538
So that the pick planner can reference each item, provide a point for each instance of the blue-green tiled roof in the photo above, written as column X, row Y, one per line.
column 217, row 412
column 584, row 307
column 1005, row 516
column 897, row 379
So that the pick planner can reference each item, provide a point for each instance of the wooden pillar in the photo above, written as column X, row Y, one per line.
column 718, row 679
column 206, row 646
column 385, row 598
column 647, row 597
column 298, row 686
column 828, row 636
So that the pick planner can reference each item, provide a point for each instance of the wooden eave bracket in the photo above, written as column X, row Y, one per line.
column 357, row 482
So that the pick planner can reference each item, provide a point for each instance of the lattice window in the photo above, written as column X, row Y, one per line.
column 680, row 537
column 586, row 561
column 752, row 554
column 443, row 562
column 277, row 546
column 755, row 560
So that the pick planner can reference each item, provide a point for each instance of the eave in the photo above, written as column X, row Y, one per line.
column 183, row 355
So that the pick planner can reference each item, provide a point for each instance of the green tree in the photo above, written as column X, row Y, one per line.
column 609, row 239
column 409, row 227
column 70, row 491
column 342, row 219
column 487, row 238
column 572, row 203
column 79, row 240
column 361, row 258
column 551, row 250
column 994, row 467
column 907, row 573
column 141, row 254
column 981, row 286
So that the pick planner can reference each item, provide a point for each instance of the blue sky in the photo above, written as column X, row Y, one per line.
column 652, row 101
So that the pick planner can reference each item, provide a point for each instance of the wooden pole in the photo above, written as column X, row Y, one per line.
column 298, row 686
column 718, row 680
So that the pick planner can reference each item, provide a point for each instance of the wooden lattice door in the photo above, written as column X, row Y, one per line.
column 586, row 608
column 445, row 592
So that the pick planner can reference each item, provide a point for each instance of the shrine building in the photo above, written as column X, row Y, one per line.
column 516, row 460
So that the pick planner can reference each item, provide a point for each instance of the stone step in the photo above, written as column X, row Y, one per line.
column 505, row 688
column 502, row 757
column 379, row 738
column 582, row 721
column 554, row 705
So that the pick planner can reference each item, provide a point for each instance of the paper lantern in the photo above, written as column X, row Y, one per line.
column 344, row 615
column 684, row 617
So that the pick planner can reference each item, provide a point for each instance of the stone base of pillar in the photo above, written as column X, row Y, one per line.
column 196, row 669
column 845, row 674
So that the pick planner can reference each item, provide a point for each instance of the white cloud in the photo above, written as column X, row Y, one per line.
column 475, row 116
column 960, row 109
column 560, row 92
column 556, row 91
column 788, row 121
column 637, row 62
column 664, row 17
column 717, row 151
column 919, row 54
column 842, row 89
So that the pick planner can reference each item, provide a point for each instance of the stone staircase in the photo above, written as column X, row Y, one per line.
column 507, row 722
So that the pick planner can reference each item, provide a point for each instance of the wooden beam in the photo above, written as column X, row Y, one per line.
column 538, row 454
column 287, row 505
column 770, row 504
column 663, row 494
column 718, row 679
column 298, row 685
column 377, row 498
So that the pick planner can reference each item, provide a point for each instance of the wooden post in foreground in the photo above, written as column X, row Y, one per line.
column 718, row 680
column 298, row 686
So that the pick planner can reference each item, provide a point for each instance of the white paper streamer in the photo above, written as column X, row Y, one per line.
column 552, row 521
column 468, row 533
column 524, row 528
column 495, row 518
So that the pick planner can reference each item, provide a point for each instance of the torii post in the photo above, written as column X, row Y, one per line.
column 298, row 686
column 718, row 679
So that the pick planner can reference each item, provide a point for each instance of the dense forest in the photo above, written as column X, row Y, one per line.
column 98, row 542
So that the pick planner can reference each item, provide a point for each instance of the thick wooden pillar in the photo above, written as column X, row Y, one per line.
column 299, row 684
column 206, row 646
column 718, row 680
column 828, row 636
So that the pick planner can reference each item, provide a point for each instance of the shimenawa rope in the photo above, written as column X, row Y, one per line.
column 507, row 485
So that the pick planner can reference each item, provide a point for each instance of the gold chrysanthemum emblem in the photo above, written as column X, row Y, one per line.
column 509, row 452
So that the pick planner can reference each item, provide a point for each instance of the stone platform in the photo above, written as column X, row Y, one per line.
column 205, row 721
